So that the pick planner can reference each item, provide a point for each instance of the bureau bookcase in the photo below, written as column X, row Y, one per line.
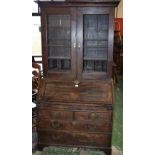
column 76, row 99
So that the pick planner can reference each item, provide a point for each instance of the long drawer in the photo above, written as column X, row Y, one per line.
column 87, row 126
column 55, row 137
column 92, row 115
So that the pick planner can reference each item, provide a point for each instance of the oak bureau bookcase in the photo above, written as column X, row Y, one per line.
column 76, row 102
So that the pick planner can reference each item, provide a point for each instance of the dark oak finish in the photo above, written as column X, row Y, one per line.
column 89, row 139
column 73, row 126
column 105, row 1
column 76, row 103
column 86, row 92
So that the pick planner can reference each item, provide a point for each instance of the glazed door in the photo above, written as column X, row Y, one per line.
column 58, row 43
column 94, row 42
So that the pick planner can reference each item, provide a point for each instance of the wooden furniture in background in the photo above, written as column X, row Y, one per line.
column 76, row 105
column 36, row 78
column 118, row 45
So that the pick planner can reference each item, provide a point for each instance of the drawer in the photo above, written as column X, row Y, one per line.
column 87, row 126
column 68, row 138
column 74, row 106
column 54, row 114
column 94, row 116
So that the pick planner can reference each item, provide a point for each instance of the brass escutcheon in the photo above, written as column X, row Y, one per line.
column 76, row 82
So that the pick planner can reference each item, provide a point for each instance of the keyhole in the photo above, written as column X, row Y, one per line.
column 76, row 85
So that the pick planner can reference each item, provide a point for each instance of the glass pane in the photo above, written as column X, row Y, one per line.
column 59, row 42
column 58, row 64
column 95, row 42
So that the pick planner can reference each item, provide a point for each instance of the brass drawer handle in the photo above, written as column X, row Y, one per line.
column 55, row 114
column 55, row 124
column 93, row 116
column 74, row 123
column 74, row 135
column 92, row 141
column 91, row 127
column 54, row 137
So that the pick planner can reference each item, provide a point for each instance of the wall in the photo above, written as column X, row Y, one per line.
column 119, row 10
column 119, row 18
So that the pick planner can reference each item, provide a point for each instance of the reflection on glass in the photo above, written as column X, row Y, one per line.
column 59, row 42
column 95, row 42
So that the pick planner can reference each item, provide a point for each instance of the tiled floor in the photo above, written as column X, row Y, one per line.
column 115, row 151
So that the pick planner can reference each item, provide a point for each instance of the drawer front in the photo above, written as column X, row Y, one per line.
column 101, row 140
column 78, row 126
column 94, row 116
column 54, row 114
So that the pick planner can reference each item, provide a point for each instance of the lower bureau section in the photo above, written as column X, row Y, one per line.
column 76, row 117
column 67, row 138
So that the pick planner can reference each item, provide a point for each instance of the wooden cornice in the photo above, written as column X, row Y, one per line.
column 79, row 3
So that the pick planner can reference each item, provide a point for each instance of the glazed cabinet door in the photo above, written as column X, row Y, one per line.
column 58, row 42
column 94, row 42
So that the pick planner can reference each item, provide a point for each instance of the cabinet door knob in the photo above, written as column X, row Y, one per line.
column 79, row 45
column 74, row 45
